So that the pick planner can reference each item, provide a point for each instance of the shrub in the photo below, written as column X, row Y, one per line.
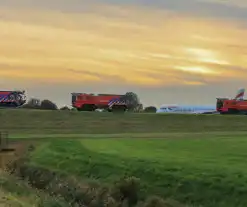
column 48, row 105
column 65, row 108
column 127, row 189
column 150, row 109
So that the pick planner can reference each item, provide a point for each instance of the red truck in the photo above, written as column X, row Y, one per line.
column 238, row 105
column 12, row 99
column 91, row 102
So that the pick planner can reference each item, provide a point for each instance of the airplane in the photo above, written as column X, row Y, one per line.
column 193, row 109
column 187, row 109
column 240, row 94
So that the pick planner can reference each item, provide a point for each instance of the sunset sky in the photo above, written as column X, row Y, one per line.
column 168, row 51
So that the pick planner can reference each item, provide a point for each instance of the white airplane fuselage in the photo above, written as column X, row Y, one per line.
column 186, row 109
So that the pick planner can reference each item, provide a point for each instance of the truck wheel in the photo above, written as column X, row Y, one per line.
column 88, row 107
column 233, row 111
column 120, row 109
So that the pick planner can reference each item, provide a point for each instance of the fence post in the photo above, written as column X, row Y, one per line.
column 1, row 141
column 6, row 136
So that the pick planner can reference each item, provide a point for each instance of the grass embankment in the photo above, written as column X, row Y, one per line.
column 198, row 172
column 17, row 193
column 201, row 161
column 32, row 122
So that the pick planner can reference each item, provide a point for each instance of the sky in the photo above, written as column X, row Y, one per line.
column 167, row 51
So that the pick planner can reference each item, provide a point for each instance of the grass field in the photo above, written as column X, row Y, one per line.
column 200, row 172
column 198, row 160
column 31, row 122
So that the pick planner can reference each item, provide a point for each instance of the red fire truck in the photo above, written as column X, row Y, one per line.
column 238, row 105
column 91, row 102
column 12, row 99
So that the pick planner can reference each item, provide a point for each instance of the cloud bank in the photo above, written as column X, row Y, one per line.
column 122, row 45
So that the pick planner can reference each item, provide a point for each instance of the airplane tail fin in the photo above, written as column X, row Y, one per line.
column 240, row 94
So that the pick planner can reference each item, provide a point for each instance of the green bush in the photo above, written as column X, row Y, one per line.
column 127, row 189
column 48, row 105
column 150, row 109
column 65, row 108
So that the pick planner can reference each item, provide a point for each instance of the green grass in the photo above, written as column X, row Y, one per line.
column 208, row 172
column 168, row 135
column 195, row 159
column 33, row 122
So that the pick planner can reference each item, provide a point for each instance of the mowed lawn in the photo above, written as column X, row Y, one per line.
column 210, row 172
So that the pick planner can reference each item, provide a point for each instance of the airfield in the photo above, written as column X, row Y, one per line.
column 101, row 159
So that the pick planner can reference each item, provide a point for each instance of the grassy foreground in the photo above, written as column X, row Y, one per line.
column 197, row 172
column 198, row 160
column 33, row 122
column 17, row 193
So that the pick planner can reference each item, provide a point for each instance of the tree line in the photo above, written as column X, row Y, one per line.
column 132, row 100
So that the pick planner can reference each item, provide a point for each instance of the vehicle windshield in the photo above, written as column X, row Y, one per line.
column 219, row 104
column 73, row 98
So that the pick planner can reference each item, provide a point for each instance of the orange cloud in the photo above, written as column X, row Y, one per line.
column 131, row 45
